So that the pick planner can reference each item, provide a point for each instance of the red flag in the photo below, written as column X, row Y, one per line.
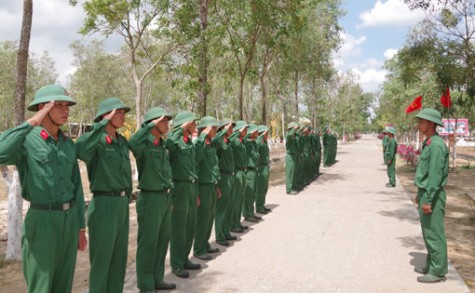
column 415, row 105
column 445, row 98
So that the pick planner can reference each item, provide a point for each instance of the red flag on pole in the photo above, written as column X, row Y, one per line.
column 415, row 105
column 445, row 98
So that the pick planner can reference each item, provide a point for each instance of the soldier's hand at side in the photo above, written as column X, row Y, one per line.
column 198, row 201
column 110, row 115
column 37, row 119
column 218, row 192
column 82, row 243
column 426, row 209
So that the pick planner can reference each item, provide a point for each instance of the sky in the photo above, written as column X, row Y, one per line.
column 373, row 31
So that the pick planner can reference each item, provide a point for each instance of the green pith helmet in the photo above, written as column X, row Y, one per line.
column 251, row 128
column 108, row 105
column 391, row 130
column 432, row 115
column 183, row 117
column 262, row 128
column 225, row 121
column 155, row 113
column 49, row 93
column 240, row 125
column 208, row 121
column 292, row 125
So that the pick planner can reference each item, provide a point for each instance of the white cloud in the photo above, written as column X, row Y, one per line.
column 390, row 13
column 370, row 79
column 389, row 53
column 351, row 45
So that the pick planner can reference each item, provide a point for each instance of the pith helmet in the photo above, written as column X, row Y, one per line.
column 108, row 105
column 183, row 117
column 49, row 93
column 240, row 125
column 225, row 121
column 431, row 115
column 292, row 125
column 155, row 113
column 262, row 128
column 208, row 121
column 391, row 130
column 251, row 128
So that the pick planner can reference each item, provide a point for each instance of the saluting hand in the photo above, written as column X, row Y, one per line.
column 37, row 119
column 110, row 115
column 156, row 121
column 207, row 130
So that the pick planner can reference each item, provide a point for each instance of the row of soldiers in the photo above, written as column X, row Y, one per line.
column 304, row 155
column 185, row 187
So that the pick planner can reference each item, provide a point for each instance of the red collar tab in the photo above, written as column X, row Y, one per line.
column 156, row 142
column 428, row 141
column 207, row 141
column 226, row 140
column 108, row 139
column 186, row 139
column 44, row 134
column 240, row 139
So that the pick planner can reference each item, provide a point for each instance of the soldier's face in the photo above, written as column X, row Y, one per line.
column 423, row 125
column 119, row 118
column 163, row 126
column 59, row 114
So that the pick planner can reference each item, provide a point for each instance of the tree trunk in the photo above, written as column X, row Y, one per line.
column 240, row 96
column 296, row 95
column 203, row 78
column 15, row 202
column 138, row 93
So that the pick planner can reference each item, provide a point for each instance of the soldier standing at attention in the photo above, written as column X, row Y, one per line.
column 431, row 177
column 106, row 154
column 240, row 159
column 208, row 192
column 154, row 202
column 263, row 171
column 385, row 143
column 390, row 157
column 291, row 158
column 227, row 167
column 251, row 174
column 327, row 145
column 54, row 226
column 185, row 193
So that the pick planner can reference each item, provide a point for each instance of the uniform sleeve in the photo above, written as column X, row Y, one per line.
column 200, row 147
column 436, row 173
column 218, row 139
column 11, row 142
column 79, row 195
column 86, row 144
column 137, row 142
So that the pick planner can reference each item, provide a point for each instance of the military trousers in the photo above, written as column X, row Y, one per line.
column 184, row 207
column 204, row 218
column 250, row 193
column 49, row 249
column 262, row 187
column 222, row 225
column 290, row 164
column 238, row 198
column 108, row 223
column 391, row 170
column 433, row 231
column 153, row 217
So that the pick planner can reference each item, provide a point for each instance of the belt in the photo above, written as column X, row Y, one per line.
column 166, row 190
column 241, row 169
column 251, row 168
column 53, row 207
column 109, row 193
column 189, row 181
column 227, row 173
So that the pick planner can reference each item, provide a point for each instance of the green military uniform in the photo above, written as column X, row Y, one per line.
column 185, row 193
column 227, row 167
column 390, row 158
column 385, row 144
column 240, row 159
column 51, row 182
column 263, row 171
column 431, row 177
column 251, row 174
column 291, row 158
column 109, row 173
column 153, row 204
column 208, row 177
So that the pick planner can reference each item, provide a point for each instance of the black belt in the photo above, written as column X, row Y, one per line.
column 227, row 173
column 251, row 168
column 53, row 207
column 241, row 169
column 166, row 190
column 110, row 193
column 189, row 181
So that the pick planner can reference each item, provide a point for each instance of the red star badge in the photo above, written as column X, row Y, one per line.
column 108, row 139
column 44, row 134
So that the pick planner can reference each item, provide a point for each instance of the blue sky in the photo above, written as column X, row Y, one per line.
column 373, row 32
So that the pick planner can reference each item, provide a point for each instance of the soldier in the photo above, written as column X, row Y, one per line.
column 251, row 174
column 390, row 156
column 54, row 226
column 208, row 177
column 106, row 154
column 431, row 177
column 291, row 158
column 385, row 143
column 227, row 167
column 154, row 201
column 240, row 159
column 185, row 193
column 263, row 170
